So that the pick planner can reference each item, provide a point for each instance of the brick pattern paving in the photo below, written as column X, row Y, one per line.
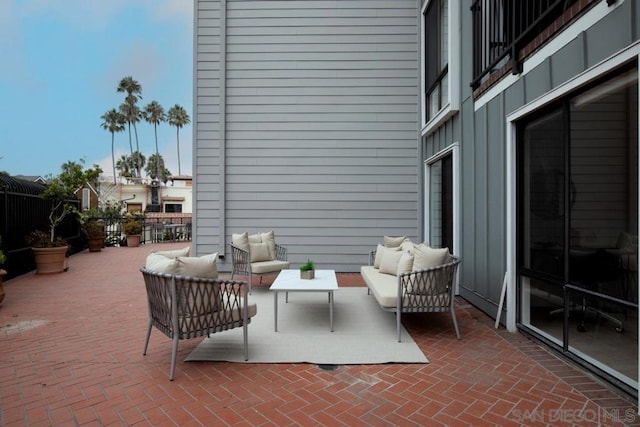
column 71, row 352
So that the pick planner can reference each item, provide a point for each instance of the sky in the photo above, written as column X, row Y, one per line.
column 60, row 65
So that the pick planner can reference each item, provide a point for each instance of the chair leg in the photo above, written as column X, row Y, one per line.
column 398, row 324
column 250, row 281
column 246, row 341
column 146, row 340
column 174, row 354
column 455, row 322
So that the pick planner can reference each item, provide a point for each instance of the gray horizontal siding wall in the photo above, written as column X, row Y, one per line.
column 321, row 126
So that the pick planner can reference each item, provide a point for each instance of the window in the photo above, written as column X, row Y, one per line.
column 440, row 74
column 86, row 199
column 435, row 23
column 173, row 208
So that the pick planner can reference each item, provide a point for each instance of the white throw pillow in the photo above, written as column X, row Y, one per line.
column 161, row 264
column 255, row 238
column 203, row 266
column 390, row 261
column 174, row 253
column 259, row 252
column 393, row 242
column 241, row 240
column 420, row 247
column 407, row 245
column 270, row 239
column 380, row 252
column 430, row 257
column 405, row 263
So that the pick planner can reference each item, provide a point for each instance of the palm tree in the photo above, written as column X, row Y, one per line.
column 125, row 166
column 130, row 108
column 114, row 122
column 164, row 174
column 178, row 117
column 154, row 113
column 138, row 161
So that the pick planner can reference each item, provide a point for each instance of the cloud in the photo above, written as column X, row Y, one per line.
column 94, row 15
column 140, row 61
column 85, row 15
column 174, row 9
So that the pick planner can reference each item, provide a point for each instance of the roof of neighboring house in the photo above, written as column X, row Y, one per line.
column 87, row 185
column 32, row 178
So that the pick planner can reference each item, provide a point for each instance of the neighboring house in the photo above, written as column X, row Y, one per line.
column 506, row 131
column 174, row 197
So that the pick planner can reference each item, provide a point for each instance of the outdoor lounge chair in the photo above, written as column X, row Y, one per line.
column 183, row 307
column 262, row 261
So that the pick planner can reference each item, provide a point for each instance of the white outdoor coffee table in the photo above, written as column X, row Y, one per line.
column 290, row 281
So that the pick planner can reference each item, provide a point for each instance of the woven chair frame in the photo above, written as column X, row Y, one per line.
column 183, row 307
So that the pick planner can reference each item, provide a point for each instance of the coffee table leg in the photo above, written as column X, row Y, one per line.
column 275, row 310
column 331, row 309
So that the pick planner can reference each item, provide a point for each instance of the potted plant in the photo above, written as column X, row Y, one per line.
column 307, row 270
column 3, row 259
column 132, row 228
column 93, row 229
column 49, row 254
column 50, row 250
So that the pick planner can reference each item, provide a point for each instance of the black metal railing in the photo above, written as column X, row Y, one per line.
column 22, row 210
column 502, row 27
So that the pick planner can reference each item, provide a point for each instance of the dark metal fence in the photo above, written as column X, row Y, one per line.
column 502, row 27
column 22, row 210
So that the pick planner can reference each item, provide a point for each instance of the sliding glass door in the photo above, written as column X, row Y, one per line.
column 578, row 224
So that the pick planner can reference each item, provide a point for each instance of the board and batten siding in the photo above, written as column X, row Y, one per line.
column 317, row 137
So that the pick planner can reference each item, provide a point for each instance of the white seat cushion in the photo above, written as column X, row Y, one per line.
column 383, row 286
column 269, row 266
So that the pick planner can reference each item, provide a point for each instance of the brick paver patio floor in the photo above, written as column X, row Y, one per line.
column 71, row 355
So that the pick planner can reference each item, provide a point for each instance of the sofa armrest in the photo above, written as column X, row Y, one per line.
column 372, row 257
column 431, row 287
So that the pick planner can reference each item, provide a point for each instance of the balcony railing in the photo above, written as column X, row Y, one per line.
column 502, row 27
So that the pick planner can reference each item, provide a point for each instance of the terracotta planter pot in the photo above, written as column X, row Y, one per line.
column 50, row 260
column 133, row 240
column 2, row 274
column 95, row 243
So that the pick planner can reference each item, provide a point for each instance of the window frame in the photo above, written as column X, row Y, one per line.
column 454, row 151
column 452, row 70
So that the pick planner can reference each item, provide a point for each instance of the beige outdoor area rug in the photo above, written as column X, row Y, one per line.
column 363, row 332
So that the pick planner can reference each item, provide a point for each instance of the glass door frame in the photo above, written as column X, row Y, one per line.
column 454, row 151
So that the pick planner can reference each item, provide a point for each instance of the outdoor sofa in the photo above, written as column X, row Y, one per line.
column 405, row 277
